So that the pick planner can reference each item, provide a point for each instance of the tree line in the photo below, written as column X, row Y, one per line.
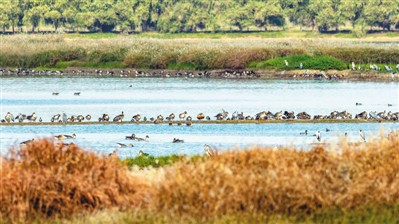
column 173, row 16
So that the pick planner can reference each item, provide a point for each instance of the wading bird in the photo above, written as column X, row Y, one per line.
column 362, row 135
column 209, row 151
column 119, row 118
column 121, row 145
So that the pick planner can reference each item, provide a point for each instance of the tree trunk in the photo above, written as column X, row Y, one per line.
column 13, row 28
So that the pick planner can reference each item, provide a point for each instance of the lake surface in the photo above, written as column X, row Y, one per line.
column 153, row 96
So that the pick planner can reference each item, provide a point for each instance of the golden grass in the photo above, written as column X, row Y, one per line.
column 200, row 53
column 38, row 181
column 48, row 180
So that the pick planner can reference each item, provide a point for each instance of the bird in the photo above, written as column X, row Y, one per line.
column 171, row 117
column 119, row 118
column 176, row 140
column 136, row 118
column 20, row 117
column 27, row 141
column 32, row 117
column 389, row 105
column 40, row 119
column 142, row 139
column 60, row 137
column 318, row 135
column 327, row 130
column 188, row 118
column 208, row 150
column 121, row 145
column 353, row 66
column 80, row 118
column 200, row 116
column 88, row 117
column 64, row 118
column 208, row 118
column 141, row 153
column 304, row 133
column 358, row 104
column 76, row 93
column 286, row 63
column 9, row 117
column 70, row 136
column 182, row 115
column 132, row 137
column 56, row 118
column 105, row 117
column 362, row 135
column 55, row 94
column 301, row 66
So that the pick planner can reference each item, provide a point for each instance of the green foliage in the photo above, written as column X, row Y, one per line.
column 146, row 161
column 321, row 62
column 176, row 16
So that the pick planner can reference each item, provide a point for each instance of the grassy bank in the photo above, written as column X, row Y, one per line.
column 118, row 51
column 43, row 181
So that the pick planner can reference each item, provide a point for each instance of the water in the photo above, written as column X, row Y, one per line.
column 153, row 96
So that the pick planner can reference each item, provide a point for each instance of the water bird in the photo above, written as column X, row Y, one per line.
column 131, row 137
column 304, row 133
column 32, row 117
column 76, row 93
column 301, row 66
column 208, row 118
column 389, row 105
column 9, row 117
column 136, row 118
column 64, row 118
column 105, row 117
column 327, row 130
column 88, row 117
column 113, row 153
column 56, row 118
column 40, row 119
column 142, row 139
column 20, row 117
column 171, row 117
column 121, row 145
column 318, row 136
column 70, row 136
column 141, row 153
column 182, row 115
column 362, row 135
column 119, row 118
column 80, row 118
column 209, row 151
column 27, row 141
column 286, row 63
column 55, row 94
column 353, row 66
column 60, row 137
column 358, row 104
column 176, row 140
column 157, row 121
column 189, row 118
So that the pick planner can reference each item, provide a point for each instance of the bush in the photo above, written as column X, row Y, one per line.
column 309, row 62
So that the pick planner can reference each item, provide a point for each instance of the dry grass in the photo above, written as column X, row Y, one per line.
column 48, row 180
column 139, row 52
column 43, row 180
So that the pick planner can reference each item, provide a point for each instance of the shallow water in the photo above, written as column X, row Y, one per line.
column 153, row 96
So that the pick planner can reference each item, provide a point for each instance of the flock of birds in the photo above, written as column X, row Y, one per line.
column 61, row 137
column 223, row 115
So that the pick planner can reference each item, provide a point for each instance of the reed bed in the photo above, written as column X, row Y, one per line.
column 44, row 180
column 48, row 180
column 29, row 51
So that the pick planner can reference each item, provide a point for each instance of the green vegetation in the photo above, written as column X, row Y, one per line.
column 171, row 16
column 294, row 61
column 62, row 51
column 146, row 161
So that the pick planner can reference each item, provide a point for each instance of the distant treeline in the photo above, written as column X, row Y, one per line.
column 172, row 16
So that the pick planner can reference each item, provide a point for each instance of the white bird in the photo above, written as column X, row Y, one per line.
column 182, row 115
column 301, row 66
column 121, row 145
column 286, row 62
column 362, row 135
column 397, row 67
column 318, row 136
column 209, row 151
column 353, row 66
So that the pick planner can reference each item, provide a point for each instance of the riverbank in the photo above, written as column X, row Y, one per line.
column 267, row 74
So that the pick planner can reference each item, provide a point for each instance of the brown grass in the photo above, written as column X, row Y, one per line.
column 44, row 180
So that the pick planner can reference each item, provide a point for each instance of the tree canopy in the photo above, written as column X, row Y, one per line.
column 196, row 15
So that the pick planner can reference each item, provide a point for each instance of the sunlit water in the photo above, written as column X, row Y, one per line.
column 153, row 96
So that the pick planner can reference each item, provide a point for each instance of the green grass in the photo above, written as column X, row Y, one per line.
column 146, row 161
column 309, row 62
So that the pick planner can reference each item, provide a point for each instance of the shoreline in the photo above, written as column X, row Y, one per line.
column 184, row 123
column 263, row 74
